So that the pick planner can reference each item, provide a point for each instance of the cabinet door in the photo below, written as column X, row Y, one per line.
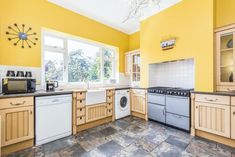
column 138, row 103
column 127, row 64
column 233, row 122
column 17, row 125
column 213, row 118
column 225, row 58
column 96, row 112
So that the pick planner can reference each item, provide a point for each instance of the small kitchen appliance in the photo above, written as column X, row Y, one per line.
column 51, row 85
column 18, row 85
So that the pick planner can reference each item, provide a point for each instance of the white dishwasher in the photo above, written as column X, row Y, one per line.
column 53, row 118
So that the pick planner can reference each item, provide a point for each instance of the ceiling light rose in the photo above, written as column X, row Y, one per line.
column 136, row 8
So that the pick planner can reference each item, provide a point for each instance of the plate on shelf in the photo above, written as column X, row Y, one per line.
column 230, row 43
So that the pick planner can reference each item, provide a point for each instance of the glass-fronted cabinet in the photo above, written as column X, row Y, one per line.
column 132, row 66
column 225, row 60
column 136, row 68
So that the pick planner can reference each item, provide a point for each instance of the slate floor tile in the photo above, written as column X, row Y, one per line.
column 124, row 140
column 167, row 150
column 73, row 151
column 110, row 148
column 173, row 140
column 53, row 146
column 146, row 145
column 108, row 131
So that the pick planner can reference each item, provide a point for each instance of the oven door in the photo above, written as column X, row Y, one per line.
column 156, row 112
column 178, row 105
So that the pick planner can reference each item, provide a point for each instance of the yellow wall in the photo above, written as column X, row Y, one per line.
column 41, row 13
column 191, row 22
column 224, row 12
column 134, row 41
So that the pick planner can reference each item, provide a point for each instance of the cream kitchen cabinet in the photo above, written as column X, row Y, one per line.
column 225, row 59
column 233, row 122
column 132, row 66
column 127, row 64
column 138, row 101
column 17, row 120
column 212, row 114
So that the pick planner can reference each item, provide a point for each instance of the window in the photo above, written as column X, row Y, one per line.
column 71, row 60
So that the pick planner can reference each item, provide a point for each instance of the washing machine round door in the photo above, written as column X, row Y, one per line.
column 123, row 103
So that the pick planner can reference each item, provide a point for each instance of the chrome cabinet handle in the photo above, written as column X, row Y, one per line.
column 18, row 104
column 163, row 112
column 211, row 100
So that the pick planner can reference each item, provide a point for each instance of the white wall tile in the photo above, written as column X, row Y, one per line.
column 172, row 74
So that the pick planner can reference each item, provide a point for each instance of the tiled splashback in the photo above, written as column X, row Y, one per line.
column 172, row 74
column 36, row 73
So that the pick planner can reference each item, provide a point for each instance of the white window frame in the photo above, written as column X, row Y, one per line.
column 64, row 50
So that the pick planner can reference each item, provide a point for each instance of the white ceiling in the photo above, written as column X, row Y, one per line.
column 111, row 12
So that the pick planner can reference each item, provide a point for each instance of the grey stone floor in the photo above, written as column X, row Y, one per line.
column 130, row 137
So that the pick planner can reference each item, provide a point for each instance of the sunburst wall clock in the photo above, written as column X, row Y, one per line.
column 22, row 35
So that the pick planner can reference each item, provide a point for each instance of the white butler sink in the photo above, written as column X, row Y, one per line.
column 95, row 96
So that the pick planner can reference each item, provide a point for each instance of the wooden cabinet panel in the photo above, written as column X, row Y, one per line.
column 80, row 120
column 17, row 125
column 81, row 112
column 96, row 112
column 233, row 122
column 138, row 102
column 109, row 99
column 81, row 103
column 127, row 63
column 233, row 101
column 213, row 118
column 81, row 95
column 109, row 105
column 109, row 112
column 215, row 99
column 16, row 102
column 109, row 92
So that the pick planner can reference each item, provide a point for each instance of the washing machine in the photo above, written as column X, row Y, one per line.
column 122, row 103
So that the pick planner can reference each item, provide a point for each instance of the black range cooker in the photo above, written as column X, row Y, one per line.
column 170, row 106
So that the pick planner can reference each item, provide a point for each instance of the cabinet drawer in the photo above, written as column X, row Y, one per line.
column 138, row 91
column 80, row 120
column 80, row 103
column 81, row 95
column 233, row 101
column 109, row 99
column 225, row 88
column 81, row 112
column 109, row 112
column 16, row 102
column 109, row 92
column 215, row 99
column 109, row 105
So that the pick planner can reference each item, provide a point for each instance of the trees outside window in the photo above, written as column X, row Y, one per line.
column 76, row 61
